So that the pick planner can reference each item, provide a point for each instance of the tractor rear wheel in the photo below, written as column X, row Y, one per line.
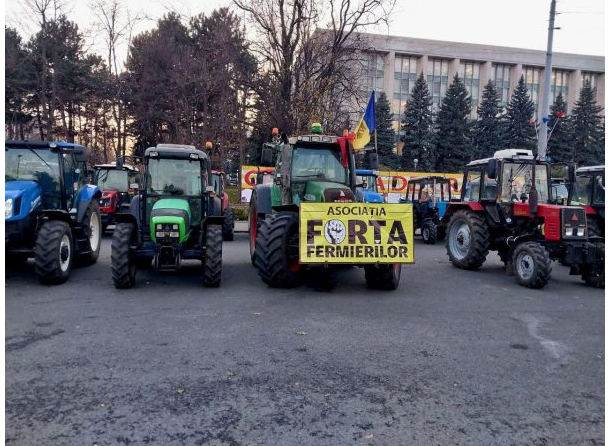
column 228, row 225
column 54, row 252
column 531, row 265
column 212, row 265
column 122, row 261
column 468, row 240
column 277, row 250
column 593, row 228
column 93, row 229
column 429, row 232
column 383, row 277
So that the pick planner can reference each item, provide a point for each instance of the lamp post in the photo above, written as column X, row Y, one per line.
column 415, row 164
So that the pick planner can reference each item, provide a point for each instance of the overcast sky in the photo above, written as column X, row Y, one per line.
column 514, row 23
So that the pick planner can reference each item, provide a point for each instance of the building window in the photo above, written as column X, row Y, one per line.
column 373, row 73
column 470, row 76
column 532, row 79
column 591, row 77
column 437, row 78
column 500, row 75
column 559, row 84
column 405, row 78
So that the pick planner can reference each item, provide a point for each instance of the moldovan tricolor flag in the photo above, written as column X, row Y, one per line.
column 367, row 125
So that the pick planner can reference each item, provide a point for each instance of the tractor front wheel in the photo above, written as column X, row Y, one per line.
column 228, row 225
column 429, row 232
column 531, row 265
column 212, row 264
column 383, row 277
column 93, row 229
column 277, row 250
column 468, row 240
column 54, row 252
column 122, row 261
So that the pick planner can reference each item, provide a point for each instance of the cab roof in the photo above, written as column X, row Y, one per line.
column 507, row 155
column 591, row 169
column 437, row 178
column 112, row 165
column 367, row 172
column 45, row 145
column 179, row 151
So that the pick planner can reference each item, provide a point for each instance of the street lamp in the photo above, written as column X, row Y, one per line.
column 415, row 164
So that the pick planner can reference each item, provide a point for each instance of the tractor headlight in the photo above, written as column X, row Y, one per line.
column 580, row 232
column 569, row 232
column 164, row 230
column 8, row 208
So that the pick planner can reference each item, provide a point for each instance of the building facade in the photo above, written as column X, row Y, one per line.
column 395, row 62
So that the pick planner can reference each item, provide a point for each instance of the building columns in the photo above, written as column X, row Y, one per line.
column 485, row 71
column 453, row 68
column 574, row 89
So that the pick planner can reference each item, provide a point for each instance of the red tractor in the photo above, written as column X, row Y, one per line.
column 118, row 183
column 218, row 180
column 504, row 207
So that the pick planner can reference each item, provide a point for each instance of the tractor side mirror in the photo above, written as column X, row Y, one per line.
column 373, row 161
column 266, row 158
column 491, row 169
column 209, row 190
column 120, row 161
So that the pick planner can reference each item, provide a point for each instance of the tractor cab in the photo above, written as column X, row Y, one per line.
column 505, row 206
column 118, row 183
column 367, row 186
column 430, row 197
column 589, row 191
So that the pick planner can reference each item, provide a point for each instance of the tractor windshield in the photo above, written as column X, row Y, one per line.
column 369, row 181
column 113, row 179
column 318, row 164
column 517, row 182
column 588, row 190
column 174, row 177
column 30, row 164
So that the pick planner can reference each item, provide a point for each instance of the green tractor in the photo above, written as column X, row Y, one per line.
column 313, row 168
column 175, row 216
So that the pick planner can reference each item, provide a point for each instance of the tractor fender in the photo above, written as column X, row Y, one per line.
column 213, row 220
column 264, row 198
column 287, row 208
column 126, row 218
column 453, row 207
column 56, row 214
column 86, row 194
column 214, row 206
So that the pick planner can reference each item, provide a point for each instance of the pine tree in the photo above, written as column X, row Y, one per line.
column 417, row 124
column 559, row 147
column 519, row 132
column 586, row 129
column 454, row 148
column 488, row 130
column 385, row 133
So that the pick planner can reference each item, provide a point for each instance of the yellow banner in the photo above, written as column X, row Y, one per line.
column 356, row 233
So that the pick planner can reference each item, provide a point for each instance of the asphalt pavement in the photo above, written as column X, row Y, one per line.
column 451, row 358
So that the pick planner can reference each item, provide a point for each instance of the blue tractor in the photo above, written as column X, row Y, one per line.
column 367, row 186
column 50, row 212
column 430, row 196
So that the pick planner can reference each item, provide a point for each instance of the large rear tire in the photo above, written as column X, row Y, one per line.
column 383, row 277
column 93, row 228
column 531, row 265
column 228, row 225
column 277, row 250
column 54, row 252
column 467, row 240
column 212, row 264
column 123, row 264
column 595, row 275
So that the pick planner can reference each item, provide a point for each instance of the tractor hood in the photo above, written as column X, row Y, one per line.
column 369, row 196
column 327, row 192
column 24, row 197
column 170, row 220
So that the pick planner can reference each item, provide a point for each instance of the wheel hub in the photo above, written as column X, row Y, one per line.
column 64, row 253
column 460, row 240
column 525, row 266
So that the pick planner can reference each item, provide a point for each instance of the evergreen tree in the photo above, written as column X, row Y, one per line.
column 454, row 148
column 385, row 133
column 559, row 147
column 587, row 129
column 418, row 140
column 488, row 129
column 520, row 133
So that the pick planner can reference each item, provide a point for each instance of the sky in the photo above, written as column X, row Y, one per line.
column 512, row 23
